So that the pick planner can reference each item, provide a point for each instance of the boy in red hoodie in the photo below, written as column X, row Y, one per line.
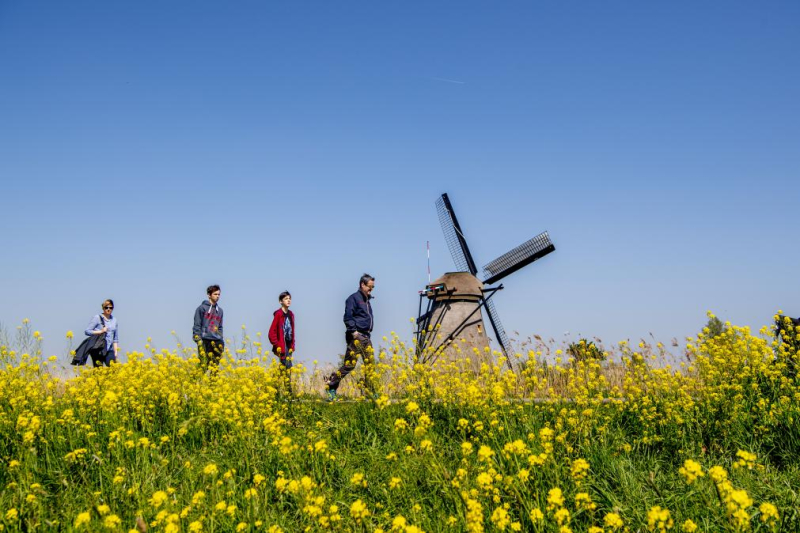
column 281, row 335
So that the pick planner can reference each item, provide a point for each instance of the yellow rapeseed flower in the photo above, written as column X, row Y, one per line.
column 580, row 468
column 746, row 460
column 158, row 498
column 500, row 518
column 769, row 513
column 555, row 498
column 359, row 511
column 399, row 523
column 81, row 519
column 691, row 470
column 485, row 453
column 658, row 519
column 561, row 516
column 613, row 521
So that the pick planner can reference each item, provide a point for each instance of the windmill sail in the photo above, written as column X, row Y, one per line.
column 454, row 236
column 499, row 331
column 524, row 254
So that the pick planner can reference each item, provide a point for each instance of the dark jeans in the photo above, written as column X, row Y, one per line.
column 286, row 371
column 210, row 352
column 364, row 349
column 98, row 360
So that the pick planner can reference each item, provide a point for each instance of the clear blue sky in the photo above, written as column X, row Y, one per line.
column 148, row 149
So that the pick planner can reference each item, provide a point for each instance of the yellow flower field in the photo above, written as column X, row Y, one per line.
column 629, row 443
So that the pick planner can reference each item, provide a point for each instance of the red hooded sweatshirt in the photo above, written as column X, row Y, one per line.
column 276, row 333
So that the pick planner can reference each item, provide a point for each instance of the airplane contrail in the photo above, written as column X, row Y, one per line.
column 450, row 81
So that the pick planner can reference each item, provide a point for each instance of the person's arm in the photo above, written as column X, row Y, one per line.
column 220, row 325
column 197, row 329
column 349, row 319
column 116, row 339
column 91, row 329
column 273, row 331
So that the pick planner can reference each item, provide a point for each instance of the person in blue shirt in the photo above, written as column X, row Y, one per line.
column 358, row 321
column 105, row 324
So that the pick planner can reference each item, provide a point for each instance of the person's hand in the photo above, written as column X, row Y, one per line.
column 104, row 330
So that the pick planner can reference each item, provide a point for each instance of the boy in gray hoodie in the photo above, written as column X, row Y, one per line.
column 207, row 330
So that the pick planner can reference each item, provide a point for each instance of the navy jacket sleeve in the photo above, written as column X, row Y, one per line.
column 221, row 335
column 349, row 319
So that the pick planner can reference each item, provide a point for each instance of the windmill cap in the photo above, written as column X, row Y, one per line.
column 460, row 285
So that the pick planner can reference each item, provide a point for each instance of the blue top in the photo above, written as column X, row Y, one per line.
column 111, row 323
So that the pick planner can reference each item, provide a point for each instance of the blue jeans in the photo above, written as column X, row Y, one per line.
column 286, row 371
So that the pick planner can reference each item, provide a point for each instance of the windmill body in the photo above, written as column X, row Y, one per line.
column 455, row 316
column 451, row 326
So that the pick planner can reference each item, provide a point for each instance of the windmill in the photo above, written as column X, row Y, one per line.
column 455, row 301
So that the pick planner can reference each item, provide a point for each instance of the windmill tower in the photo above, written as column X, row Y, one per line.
column 457, row 301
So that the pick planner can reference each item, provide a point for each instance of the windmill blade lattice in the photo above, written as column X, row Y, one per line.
column 454, row 236
column 499, row 331
column 524, row 254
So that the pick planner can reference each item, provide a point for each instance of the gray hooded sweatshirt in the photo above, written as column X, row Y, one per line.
column 208, row 322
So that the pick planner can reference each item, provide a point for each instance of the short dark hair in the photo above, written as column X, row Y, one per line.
column 212, row 289
column 366, row 278
column 283, row 295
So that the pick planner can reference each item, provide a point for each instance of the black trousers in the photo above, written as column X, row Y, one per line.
column 362, row 348
column 210, row 352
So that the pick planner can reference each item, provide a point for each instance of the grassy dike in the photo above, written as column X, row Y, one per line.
column 628, row 446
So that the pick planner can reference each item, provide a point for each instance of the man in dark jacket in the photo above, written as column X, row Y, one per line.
column 207, row 330
column 358, row 321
